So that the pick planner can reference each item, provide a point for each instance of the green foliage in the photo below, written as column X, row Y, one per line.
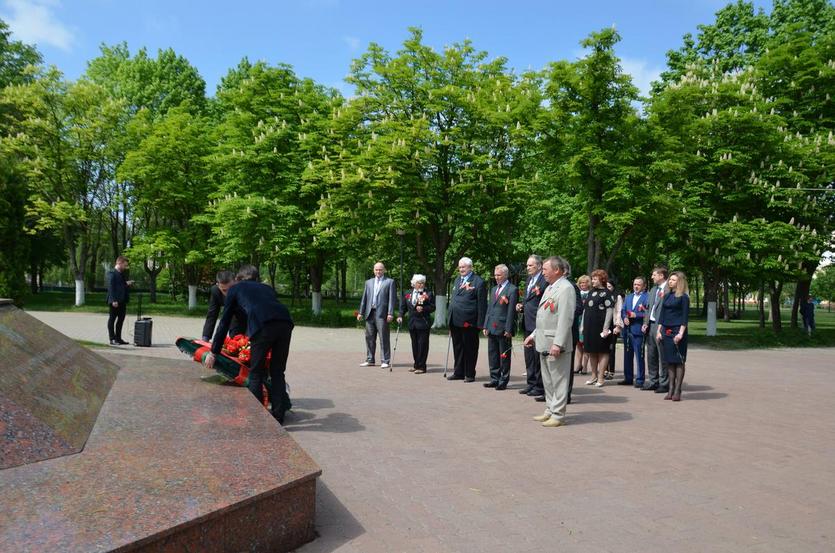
column 823, row 285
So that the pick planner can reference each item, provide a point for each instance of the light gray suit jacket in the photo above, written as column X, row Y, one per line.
column 652, row 305
column 555, row 317
column 386, row 298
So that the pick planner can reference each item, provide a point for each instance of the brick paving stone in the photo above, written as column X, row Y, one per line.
column 414, row 463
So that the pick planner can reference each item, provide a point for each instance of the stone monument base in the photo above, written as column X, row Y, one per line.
column 172, row 464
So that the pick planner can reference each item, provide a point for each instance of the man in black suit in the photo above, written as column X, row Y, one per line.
column 528, row 305
column 217, row 297
column 419, row 303
column 269, row 327
column 499, row 327
column 118, row 294
column 467, row 308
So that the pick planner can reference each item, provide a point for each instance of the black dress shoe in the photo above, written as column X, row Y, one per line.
column 534, row 393
column 648, row 387
column 454, row 377
column 469, row 379
column 501, row 387
column 662, row 390
column 114, row 342
column 539, row 398
column 624, row 383
column 490, row 384
column 122, row 342
column 525, row 390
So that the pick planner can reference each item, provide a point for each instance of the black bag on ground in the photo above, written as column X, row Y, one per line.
column 142, row 328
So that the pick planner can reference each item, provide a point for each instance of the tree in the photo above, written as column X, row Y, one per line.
column 169, row 172
column 64, row 139
column 823, row 285
column 591, row 148
column 15, row 60
column 428, row 147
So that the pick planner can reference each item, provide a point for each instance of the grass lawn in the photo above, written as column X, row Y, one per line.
column 737, row 334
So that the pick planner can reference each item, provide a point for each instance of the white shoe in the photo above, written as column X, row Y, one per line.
column 366, row 364
column 598, row 384
column 385, row 366
column 590, row 382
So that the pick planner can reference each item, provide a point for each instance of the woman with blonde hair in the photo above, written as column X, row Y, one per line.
column 598, row 313
column 672, row 331
column 581, row 359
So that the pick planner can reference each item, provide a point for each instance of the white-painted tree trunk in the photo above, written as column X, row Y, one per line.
column 79, row 293
column 711, row 318
column 316, row 300
column 192, row 296
column 440, row 312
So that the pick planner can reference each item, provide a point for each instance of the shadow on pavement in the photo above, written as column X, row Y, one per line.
column 298, row 420
column 687, row 394
column 334, row 524
column 598, row 417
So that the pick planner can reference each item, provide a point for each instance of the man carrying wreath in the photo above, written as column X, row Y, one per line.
column 499, row 327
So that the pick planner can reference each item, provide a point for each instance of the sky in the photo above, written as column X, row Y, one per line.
column 319, row 38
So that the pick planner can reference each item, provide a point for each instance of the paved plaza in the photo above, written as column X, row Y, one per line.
column 413, row 463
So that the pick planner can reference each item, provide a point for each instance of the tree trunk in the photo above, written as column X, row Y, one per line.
column 272, row 268
column 801, row 292
column 726, row 307
column 761, row 304
column 192, row 296
column 33, row 276
column 343, row 270
column 775, row 288
column 317, row 269
column 439, row 278
column 591, row 243
column 711, row 295
column 79, row 292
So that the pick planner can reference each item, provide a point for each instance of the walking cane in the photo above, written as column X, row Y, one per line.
column 446, row 363
column 396, row 338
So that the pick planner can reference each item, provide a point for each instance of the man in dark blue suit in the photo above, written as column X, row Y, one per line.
column 269, row 327
column 467, row 308
column 118, row 294
column 528, row 306
column 633, row 314
column 217, row 297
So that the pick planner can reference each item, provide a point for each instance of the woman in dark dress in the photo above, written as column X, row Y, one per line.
column 419, row 303
column 672, row 331
column 581, row 358
column 598, row 313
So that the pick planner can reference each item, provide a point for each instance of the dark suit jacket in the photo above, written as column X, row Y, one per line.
column 260, row 304
column 468, row 304
column 216, row 301
column 418, row 320
column 501, row 316
column 117, row 287
column 386, row 298
column 636, row 316
column 531, row 303
column 578, row 311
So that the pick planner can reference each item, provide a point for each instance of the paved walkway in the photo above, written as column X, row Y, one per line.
column 414, row 463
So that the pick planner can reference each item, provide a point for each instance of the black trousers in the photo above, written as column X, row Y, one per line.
column 533, row 366
column 465, row 350
column 498, row 345
column 420, row 347
column 116, row 320
column 275, row 337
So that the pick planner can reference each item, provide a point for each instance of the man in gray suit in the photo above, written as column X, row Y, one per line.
column 499, row 327
column 377, row 309
column 657, row 378
column 553, row 340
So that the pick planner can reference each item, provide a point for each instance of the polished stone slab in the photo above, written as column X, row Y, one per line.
column 172, row 464
column 51, row 389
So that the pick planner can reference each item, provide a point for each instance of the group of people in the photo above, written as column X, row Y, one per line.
column 567, row 327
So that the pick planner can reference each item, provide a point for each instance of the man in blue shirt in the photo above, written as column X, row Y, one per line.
column 269, row 327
